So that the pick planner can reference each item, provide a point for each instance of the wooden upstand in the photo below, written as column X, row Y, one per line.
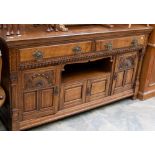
column 48, row 76
column 147, row 79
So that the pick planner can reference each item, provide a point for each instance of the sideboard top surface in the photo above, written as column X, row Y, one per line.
column 32, row 35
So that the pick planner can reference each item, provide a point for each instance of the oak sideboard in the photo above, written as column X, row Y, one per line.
column 51, row 75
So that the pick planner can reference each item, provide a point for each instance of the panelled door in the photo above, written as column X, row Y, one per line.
column 125, row 72
column 79, row 92
column 39, row 93
column 97, row 88
column 72, row 94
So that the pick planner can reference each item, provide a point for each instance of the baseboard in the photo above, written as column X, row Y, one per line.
column 146, row 95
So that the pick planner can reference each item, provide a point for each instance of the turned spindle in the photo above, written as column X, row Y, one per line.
column 12, row 29
column 49, row 28
column 17, row 29
column 8, row 31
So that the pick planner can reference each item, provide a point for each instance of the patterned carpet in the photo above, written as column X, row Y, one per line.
column 128, row 115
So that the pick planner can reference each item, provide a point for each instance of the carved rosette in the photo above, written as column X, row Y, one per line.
column 126, row 62
column 38, row 80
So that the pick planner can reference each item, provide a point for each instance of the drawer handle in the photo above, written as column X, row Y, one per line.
column 38, row 55
column 108, row 46
column 134, row 42
column 77, row 50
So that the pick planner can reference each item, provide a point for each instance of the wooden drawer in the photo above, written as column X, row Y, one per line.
column 41, row 52
column 119, row 42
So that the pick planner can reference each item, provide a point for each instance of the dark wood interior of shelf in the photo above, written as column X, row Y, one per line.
column 86, row 70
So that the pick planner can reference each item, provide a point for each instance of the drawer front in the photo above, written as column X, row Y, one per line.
column 119, row 42
column 41, row 52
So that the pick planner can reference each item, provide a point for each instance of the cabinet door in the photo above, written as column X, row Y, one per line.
column 39, row 103
column 125, row 71
column 97, row 88
column 39, row 93
column 72, row 94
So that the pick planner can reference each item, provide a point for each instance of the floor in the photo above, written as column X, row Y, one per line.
column 123, row 115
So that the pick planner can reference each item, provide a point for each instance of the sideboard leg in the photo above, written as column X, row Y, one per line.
column 15, row 126
column 136, row 86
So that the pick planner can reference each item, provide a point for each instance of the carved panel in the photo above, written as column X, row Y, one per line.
column 72, row 94
column 119, row 79
column 30, row 101
column 39, row 103
column 47, row 98
column 97, row 88
column 126, row 62
column 38, row 80
column 129, row 76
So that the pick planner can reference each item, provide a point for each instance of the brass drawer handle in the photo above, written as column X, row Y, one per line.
column 77, row 50
column 108, row 46
column 134, row 42
column 38, row 55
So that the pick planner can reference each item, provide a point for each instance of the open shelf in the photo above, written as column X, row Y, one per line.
column 81, row 71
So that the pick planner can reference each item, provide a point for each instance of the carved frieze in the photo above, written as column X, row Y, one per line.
column 78, row 57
